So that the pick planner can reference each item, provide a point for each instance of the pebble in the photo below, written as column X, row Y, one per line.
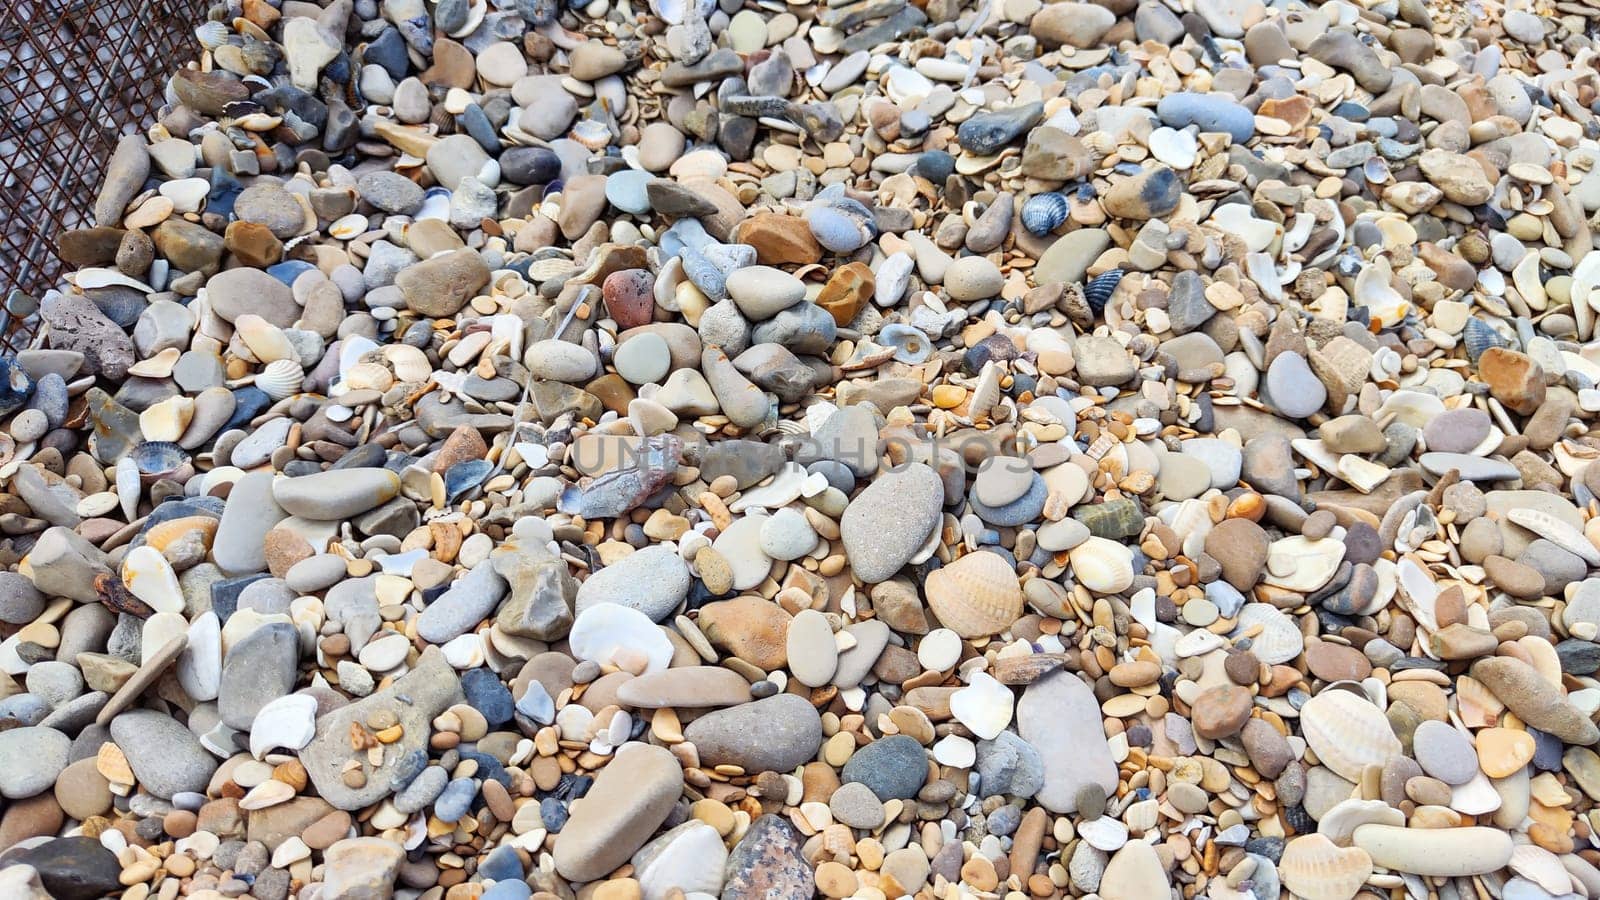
column 525, row 414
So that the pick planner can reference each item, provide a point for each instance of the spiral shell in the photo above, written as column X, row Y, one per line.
column 1347, row 733
column 1100, row 288
column 1044, row 213
column 1314, row 868
column 280, row 378
column 976, row 596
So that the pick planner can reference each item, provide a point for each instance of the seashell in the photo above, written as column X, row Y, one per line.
column 1347, row 733
column 1313, row 868
column 408, row 363
column 91, row 278
column 1340, row 822
column 464, row 476
column 266, row 341
column 603, row 631
column 158, row 366
column 348, row 227
column 289, row 721
column 593, row 134
column 1479, row 336
column 148, row 576
column 15, row 386
column 128, row 486
column 1103, row 566
column 1100, row 288
column 910, row 345
column 280, row 379
column 155, row 460
column 975, row 596
column 1044, row 213
column 1541, row 867
column 435, row 205
column 985, row 391
column 1279, row 639
column 212, row 35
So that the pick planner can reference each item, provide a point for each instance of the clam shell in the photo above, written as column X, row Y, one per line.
column 128, row 487
column 1541, row 867
column 1315, row 869
column 1103, row 566
column 280, row 379
column 1347, row 733
column 978, row 595
column 1479, row 336
column 605, row 630
column 1044, row 213
column 1280, row 639
column 1100, row 288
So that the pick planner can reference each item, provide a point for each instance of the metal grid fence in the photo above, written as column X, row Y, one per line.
column 74, row 76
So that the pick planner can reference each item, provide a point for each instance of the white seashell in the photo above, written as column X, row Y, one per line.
column 1315, row 869
column 606, row 630
column 984, row 706
column 91, row 278
column 409, row 363
column 1300, row 564
column 280, row 379
column 1347, row 733
column 1103, row 566
column 1475, row 798
column 149, row 576
column 128, row 487
column 346, row 227
column 1541, row 867
column 288, row 721
column 1339, row 823
column 1104, row 833
column 1178, row 149
column 97, row 504
column 1280, row 639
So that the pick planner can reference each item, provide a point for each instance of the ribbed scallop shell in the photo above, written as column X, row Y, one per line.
column 1347, row 733
column 1314, row 869
column 1100, row 288
column 976, row 596
column 280, row 378
column 1044, row 213
column 1279, row 641
column 1478, row 336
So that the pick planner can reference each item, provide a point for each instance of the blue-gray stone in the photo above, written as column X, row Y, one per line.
column 988, row 133
column 553, row 813
column 536, row 704
column 423, row 790
column 487, row 695
column 502, row 864
column 456, row 801
column 1020, row 511
column 893, row 767
column 1009, row 765
column 1212, row 112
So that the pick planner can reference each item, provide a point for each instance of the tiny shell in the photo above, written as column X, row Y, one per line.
column 1347, row 733
column 976, row 596
column 1340, row 822
column 1100, row 288
column 1313, row 868
column 128, row 487
column 280, row 379
column 158, row 366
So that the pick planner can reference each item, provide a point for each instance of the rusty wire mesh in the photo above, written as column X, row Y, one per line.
column 74, row 76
